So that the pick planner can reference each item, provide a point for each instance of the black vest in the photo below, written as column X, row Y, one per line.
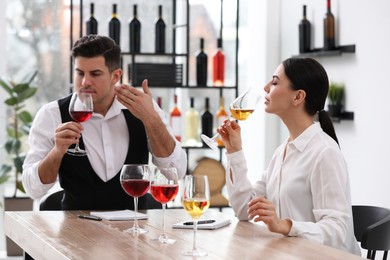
column 83, row 189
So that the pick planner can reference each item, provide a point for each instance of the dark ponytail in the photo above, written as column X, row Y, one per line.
column 309, row 75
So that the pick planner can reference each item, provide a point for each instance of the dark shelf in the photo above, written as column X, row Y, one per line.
column 154, row 54
column 345, row 115
column 320, row 52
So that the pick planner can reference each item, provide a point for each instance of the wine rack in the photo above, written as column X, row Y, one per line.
column 131, row 68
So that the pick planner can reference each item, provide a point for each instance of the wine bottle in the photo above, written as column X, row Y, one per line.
column 160, row 32
column 192, row 125
column 92, row 24
column 207, row 121
column 114, row 26
column 329, row 31
column 221, row 116
column 201, row 65
column 304, row 33
column 135, row 32
column 159, row 102
column 219, row 65
column 175, row 120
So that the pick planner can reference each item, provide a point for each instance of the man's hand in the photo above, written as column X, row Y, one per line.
column 139, row 103
column 67, row 134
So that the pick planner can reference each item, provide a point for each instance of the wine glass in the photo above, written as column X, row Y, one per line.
column 80, row 109
column 196, row 200
column 164, row 188
column 135, row 180
column 241, row 108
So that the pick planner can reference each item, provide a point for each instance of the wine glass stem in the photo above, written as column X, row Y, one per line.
column 195, row 229
column 214, row 137
column 135, row 212
column 163, row 207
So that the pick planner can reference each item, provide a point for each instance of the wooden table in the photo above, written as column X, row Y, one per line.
column 62, row 235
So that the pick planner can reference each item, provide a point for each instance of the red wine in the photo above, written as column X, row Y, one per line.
column 201, row 65
column 304, row 33
column 160, row 32
column 92, row 24
column 207, row 121
column 219, row 65
column 80, row 116
column 135, row 188
column 164, row 193
column 114, row 26
column 135, row 32
column 329, row 32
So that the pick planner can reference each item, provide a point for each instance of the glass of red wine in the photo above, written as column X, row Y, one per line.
column 135, row 181
column 164, row 188
column 80, row 109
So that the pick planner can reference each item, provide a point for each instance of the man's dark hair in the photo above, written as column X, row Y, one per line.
column 90, row 46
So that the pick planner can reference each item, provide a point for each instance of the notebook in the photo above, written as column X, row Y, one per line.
column 203, row 224
column 119, row 215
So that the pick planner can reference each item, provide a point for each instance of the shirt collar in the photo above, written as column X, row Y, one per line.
column 304, row 138
column 114, row 110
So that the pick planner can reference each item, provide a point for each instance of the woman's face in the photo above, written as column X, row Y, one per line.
column 280, row 96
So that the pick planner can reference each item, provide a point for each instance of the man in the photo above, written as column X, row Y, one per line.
column 126, row 125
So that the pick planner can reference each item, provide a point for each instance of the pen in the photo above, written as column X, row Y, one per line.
column 90, row 217
column 209, row 221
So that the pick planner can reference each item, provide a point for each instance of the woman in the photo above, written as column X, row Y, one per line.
column 305, row 191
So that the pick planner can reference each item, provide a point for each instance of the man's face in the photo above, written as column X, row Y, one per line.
column 92, row 75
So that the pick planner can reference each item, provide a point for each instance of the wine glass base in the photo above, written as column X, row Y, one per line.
column 136, row 230
column 195, row 252
column 210, row 142
column 163, row 239
column 75, row 152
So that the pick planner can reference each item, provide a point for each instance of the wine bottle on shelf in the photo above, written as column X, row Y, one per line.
column 329, row 29
column 159, row 102
column 114, row 26
column 192, row 125
column 221, row 116
column 91, row 23
column 304, row 33
column 160, row 32
column 207, row 120
column 135, row 32
column 201, row 65
column 219, row 65
column 175, row 120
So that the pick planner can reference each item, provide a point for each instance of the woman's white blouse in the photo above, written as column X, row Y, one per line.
column 310, row 186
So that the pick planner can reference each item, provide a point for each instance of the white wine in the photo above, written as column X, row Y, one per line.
column 196, row 207
column 241, row 114
column 192, row 124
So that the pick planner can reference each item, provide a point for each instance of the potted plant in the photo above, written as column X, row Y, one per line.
column 17, row 127
column 336, row 97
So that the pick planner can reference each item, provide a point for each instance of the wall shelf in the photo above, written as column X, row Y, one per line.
column 320, row 52
column 345, row 115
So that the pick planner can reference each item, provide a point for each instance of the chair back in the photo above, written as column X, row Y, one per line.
column 372, row 228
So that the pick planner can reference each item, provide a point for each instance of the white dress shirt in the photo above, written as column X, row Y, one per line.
column 310, row 186
column 106, row 140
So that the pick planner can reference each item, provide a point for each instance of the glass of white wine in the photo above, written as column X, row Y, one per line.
column 241, row 108
column 196, row 200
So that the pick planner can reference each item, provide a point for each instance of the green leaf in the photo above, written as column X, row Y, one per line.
column 27, row 93
column 25, row 128
column 12, row 101
column 12, row 146
column 20, row 187
column 7, row 86
column 25, row 116
column 5, row 169
column 19, row 88
column 18, row 162
column 4, row 177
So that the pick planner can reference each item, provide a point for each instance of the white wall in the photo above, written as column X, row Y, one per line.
column 364, row 141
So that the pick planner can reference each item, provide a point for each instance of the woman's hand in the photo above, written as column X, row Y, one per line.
column 261, row 209
column 230, row 133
